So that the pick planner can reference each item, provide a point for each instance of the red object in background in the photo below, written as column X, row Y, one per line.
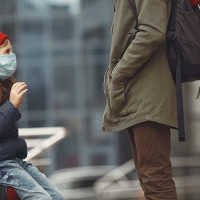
column 11, row 194
column 195, row 2
column 2, row 37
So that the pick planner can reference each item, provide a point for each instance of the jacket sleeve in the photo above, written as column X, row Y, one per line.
column 9, row 115
column 153, row 21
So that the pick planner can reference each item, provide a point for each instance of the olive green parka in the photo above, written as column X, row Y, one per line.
column 138, row 85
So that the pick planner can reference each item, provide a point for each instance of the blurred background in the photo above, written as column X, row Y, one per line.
column 62, row 48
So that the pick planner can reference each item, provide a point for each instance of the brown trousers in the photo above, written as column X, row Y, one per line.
column 151, row 145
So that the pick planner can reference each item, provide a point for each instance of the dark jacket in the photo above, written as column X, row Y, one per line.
column 10, row 145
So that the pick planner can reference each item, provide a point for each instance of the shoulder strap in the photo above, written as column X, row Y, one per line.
column 179, row 95
column 134, row 10
column 174, row 42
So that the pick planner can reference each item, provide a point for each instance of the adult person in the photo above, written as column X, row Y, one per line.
column 28, row 182
column 140, row 93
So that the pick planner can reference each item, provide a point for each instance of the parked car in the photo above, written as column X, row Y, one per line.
column 77, row 183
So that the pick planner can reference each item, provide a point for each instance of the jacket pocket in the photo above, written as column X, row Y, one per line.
column 117, row 99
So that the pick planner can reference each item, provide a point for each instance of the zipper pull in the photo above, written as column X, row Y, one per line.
column 198, row 94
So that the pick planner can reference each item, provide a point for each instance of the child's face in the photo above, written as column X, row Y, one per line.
column 5, row 47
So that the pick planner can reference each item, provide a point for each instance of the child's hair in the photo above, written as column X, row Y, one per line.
column 5, row 85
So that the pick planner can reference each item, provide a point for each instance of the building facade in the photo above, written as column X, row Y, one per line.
column 62, row 56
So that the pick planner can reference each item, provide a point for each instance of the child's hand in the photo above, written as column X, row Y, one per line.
column 17, row 91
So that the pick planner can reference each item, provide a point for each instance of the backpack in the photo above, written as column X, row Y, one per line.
column 8, row 193
column 183, row 48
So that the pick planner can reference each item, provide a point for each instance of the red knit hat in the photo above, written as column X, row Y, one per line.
column 2, row 37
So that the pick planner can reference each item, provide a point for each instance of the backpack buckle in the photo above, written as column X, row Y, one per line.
column 171, row 35
column 134, row 32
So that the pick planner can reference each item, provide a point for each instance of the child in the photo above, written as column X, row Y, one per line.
column 25, row 179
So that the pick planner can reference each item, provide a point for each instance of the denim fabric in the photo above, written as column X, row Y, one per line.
column 27, row 181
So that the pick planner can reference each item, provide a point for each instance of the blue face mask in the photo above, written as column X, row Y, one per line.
column 8, row 65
